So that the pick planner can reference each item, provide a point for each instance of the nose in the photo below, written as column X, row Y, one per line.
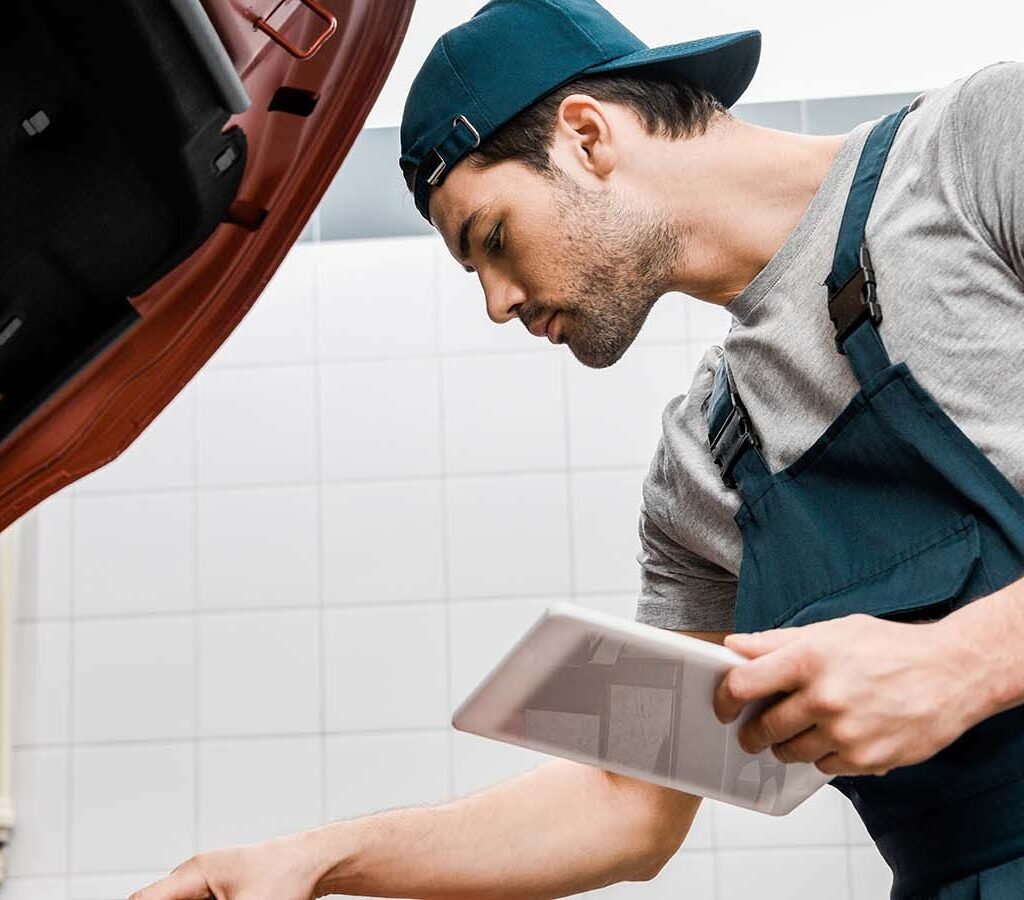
column 503, row 297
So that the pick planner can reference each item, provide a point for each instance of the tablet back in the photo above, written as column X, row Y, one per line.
column 632, row 699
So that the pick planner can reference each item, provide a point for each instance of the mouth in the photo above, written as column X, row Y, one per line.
column 539, row 327
column 553, row 329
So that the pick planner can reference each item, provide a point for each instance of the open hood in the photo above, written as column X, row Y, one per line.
column 158, row 159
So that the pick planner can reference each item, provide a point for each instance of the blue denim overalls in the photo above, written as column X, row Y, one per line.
column 893, row 511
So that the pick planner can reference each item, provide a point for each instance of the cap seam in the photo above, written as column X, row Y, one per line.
column 469, row 92
column 579, row 28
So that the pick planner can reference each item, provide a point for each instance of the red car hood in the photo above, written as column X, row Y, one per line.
column 186, row 315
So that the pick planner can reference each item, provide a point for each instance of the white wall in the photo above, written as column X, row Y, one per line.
column 810, row 48
column 262, row 616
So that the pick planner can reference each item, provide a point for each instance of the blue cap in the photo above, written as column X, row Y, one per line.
column 484, row 72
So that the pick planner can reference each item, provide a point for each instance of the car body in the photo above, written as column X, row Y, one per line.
column 162, row 157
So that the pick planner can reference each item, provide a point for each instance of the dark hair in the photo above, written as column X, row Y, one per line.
column 672, row 109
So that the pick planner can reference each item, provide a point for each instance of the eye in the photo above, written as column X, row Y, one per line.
column 493, row 242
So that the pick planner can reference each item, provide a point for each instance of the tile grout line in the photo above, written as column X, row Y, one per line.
column 570, row 528
column 307, row 607
column 321, row 550
column 197, row 632
column 716, row 861
column 849, row 851
column 361, row 480
column 480, row 353
column 445, row 560
column 70, row 787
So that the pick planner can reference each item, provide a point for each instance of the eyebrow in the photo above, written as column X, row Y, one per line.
column 467, row 226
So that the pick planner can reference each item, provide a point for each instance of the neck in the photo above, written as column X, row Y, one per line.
column 736, row 193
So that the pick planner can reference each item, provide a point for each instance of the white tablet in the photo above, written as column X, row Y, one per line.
column 632, row 699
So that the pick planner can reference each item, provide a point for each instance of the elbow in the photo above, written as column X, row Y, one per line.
column 661, row 830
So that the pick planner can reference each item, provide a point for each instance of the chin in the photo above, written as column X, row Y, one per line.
column 595, row 359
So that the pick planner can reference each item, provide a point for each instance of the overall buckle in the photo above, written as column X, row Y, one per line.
column 855, row 301
column 735, row 435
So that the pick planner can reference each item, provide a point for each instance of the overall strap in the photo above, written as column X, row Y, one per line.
column 731, row 438
column 852, row 306
column 852, row 301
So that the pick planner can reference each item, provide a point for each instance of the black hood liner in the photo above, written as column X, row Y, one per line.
column 114, row 168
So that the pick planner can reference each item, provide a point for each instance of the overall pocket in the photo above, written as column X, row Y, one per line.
column 921, row 581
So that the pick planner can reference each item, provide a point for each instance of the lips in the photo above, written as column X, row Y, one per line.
column 549, row 330
column 539, row 328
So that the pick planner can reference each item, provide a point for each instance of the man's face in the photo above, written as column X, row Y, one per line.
column 577, row 265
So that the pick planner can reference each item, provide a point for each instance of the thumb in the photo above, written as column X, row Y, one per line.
column 186, row 882
column 761, row 642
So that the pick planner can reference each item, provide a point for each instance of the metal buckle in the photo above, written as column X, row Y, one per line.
column 733, row 437
column 855, row 301
column 434, row 177
column 472, row 130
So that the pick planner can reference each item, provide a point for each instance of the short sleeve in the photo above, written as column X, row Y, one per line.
column 680, row 590
column 989, row 127
column 689, row 544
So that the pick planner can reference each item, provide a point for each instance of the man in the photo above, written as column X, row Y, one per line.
column 581, row 176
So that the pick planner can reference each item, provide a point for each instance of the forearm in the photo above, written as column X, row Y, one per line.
column 558, row 830
column 988, row 635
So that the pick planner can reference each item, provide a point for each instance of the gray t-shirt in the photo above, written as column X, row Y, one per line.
column 946, row 234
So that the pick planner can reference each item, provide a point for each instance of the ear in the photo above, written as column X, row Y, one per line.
column 583, row 134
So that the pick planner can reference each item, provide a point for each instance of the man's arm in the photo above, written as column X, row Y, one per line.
column 557, row 830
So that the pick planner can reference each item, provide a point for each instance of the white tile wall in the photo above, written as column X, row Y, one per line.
column 605, row 512
column 503, row 412
column 254, row 789
column 43, row 676
column 371, row 307
column 39, row 845
column 132, row 807
column 133, row 553
column 508, row 535
column 628, row 437
column 45, row 560
column 257, row 425
column 386, row 668
column 258, row 547
column 870, row 875
column 259, row 673
column 280, row 327
column 35, row 889
column 163, row 456
column 263, row 614
column 157, row 702
column 370, row 772
column 783, row 872
column 380, row 419
column 383, row 541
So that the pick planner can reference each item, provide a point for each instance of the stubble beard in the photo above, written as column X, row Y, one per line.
column 617, row 260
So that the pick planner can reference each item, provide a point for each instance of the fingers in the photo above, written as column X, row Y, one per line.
column 778, row 724
column 808, row 746
column 780, row 672
column 761, row 642
column 186, row 882
column 832, row 764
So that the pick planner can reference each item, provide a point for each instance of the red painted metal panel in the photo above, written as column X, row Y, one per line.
column 187, row 315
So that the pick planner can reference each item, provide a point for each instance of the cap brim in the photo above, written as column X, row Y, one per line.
column 724, row 64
